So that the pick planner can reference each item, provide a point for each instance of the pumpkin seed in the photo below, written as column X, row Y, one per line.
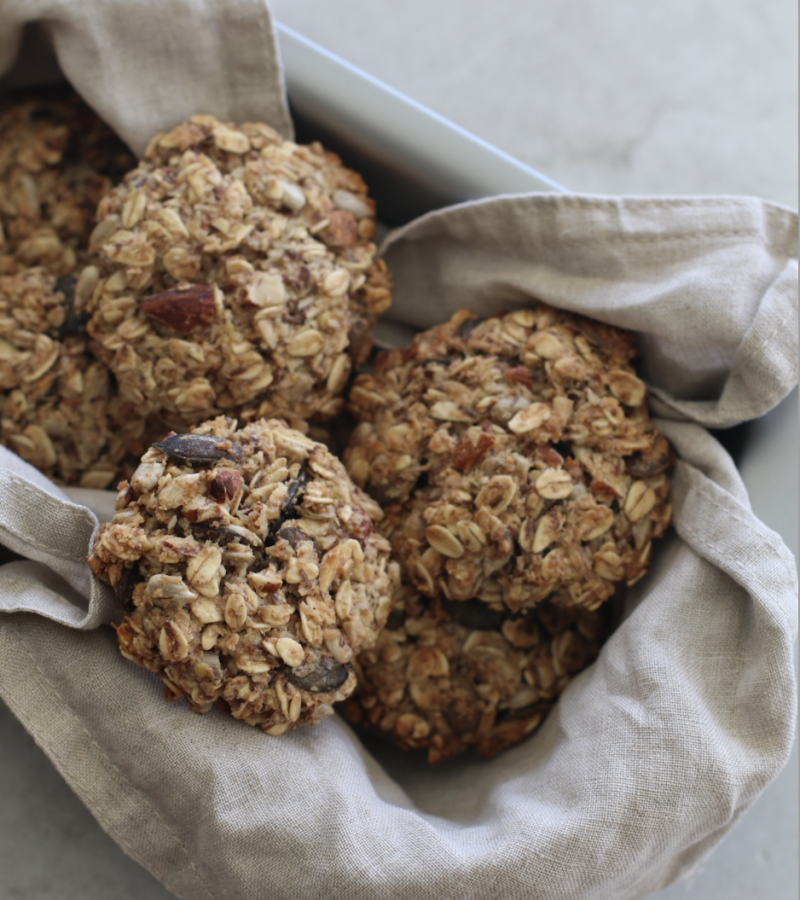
column 199, row 449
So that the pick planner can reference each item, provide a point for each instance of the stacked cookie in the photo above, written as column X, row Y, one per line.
column 523, row 481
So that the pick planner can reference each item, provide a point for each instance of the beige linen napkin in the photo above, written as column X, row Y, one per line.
column 650, row 756
column 145, row 65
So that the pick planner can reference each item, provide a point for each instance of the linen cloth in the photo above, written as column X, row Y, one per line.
column 145, row 65
column 651, row 754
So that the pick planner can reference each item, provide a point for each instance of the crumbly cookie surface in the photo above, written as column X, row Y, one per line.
column 250, row 571
column 239, row 276
column 446, row 675
column 516, row 459
column 57, row 159
column 59, row 409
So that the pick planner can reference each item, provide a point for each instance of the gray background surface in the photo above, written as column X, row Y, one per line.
column 694, row 96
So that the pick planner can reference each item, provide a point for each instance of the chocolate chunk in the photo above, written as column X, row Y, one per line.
column 299, row 280
column 396, row 619
column 293, row 494
column 74, row 322
column 475, row 614
column 220, row 536
column 66, row 284
column 289, row 511
column 127, row 582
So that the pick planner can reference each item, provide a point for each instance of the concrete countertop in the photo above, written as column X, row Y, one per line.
column 698, row 96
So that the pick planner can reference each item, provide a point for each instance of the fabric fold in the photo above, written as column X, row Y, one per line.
column 39, row 522
column 709, row 284
column 201, row 57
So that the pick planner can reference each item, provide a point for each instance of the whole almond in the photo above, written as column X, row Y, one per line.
column 182, row 308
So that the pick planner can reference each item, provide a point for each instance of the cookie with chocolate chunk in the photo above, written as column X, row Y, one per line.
column 250, row 571
column 515, row 457
column 239, row 275
column 59, row 408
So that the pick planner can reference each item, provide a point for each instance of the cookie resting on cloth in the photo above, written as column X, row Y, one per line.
column 515, row 458
column 446, row 675
column 250, row 571
column 57, row 160
column 59, row 407
column 239, row 275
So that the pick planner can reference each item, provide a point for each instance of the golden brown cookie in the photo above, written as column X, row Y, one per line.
column 239, row 275
column 515, row 457
column 59, row 407
column 250, row 571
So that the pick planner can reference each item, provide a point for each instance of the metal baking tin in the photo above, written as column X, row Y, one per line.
column 415, row 160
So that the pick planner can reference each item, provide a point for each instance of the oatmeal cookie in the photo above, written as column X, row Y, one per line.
column 250, row 571
column 59, row 408
column 57, row 160
column 447, row 675
column 516, row 459
column 239, row 276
